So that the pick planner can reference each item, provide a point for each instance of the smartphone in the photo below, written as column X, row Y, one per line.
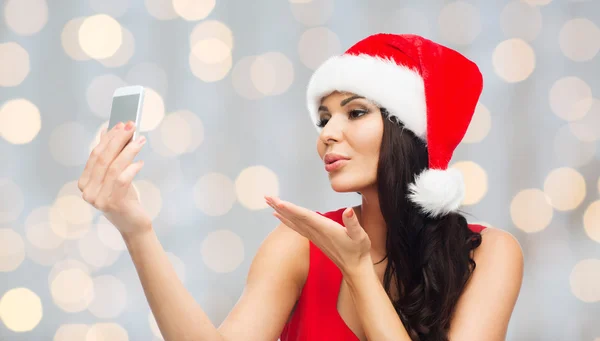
column 127, row 106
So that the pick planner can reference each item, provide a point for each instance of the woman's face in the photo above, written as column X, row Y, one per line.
column 349, row 143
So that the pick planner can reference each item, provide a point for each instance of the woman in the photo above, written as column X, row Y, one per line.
column 403, row 265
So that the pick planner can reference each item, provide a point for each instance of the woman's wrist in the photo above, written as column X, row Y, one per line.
column 362, row 268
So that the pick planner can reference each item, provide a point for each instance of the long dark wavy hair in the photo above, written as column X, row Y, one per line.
column 429, row 260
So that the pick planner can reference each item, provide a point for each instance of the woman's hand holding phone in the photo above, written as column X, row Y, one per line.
column 106, row 181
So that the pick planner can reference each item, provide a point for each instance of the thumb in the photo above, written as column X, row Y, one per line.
column 353, row 228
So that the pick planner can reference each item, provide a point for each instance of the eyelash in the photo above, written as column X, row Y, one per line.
column 322, row 122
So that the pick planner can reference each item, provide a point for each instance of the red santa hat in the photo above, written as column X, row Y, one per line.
column 431, row 89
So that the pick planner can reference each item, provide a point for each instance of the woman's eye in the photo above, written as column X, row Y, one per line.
column 357, row 113
column 322, row 122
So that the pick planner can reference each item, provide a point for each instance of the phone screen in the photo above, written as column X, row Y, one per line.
column 124, row 108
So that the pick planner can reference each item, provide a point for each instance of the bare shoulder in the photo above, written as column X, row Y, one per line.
column 484, row 309
column 283, row 250
column 499, row 247
column 273, row 285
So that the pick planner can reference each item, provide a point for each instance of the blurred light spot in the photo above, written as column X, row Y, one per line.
column 538, row 2
column 178, row 265
column 154, row 326
column 480, row 125
column 210, row 29
column 124, row 53
column 253, row 183
column 72, row 290
column 565, row 187
column 217, row 305
column 61, row 225
column 571, row 151
column 460, row 22
column 110, row 297
column 585, row 280
column 513, row 60
column 211, row 51
column 222, row 251
column 153, row 110
column 150, row 197
column 70, row 39
column 107, row 332
column 242, row 81
column 579, row 39
column 12, row 201
column 21, row 310
column 272, row 73
column 210, row 60
column 69, row 188
column 12, row 250
column 26, row 17
column 176, row 134
column 312, row 13
column 71, row 332
column 20, row 121
column 521, row 20
column 161, row 9
column 14, row 64
column 100, row 36
column 109, row 235
column 196, row 127
column 149, row 75
column 96, row 253
column 66, row 264
column 531, row 210
column 591, row 220
column 316, row 45
column 193, row 10
column 100, row 92
column 587, row 129
column 570, row 98
column 67, row 144
column 476, row 181
column 114, row 8
column 46, row 257
column 38, row 229
column 73, row 209
column 214, row 194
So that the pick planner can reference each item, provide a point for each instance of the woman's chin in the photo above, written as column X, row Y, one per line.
column 342, row 184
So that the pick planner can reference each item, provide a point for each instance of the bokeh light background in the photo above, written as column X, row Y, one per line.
column 226, row 120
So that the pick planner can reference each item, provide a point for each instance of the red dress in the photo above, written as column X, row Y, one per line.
column 316, row 317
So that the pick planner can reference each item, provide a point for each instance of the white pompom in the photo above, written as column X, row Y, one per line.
column 438, row 192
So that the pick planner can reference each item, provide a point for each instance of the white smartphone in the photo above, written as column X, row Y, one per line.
column 127, row 106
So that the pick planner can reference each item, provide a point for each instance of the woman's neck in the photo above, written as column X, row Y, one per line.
column 370, row 218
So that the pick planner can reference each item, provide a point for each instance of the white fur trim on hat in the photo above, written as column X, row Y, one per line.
column 395, row 87
column 438, row 192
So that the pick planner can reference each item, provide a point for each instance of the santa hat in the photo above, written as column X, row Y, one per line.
column 431, row 89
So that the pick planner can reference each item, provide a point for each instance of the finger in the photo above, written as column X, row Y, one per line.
column 96, row 152
column 106, row 157
column 126, row 178
column 117, row 167
column 301, row 216
column 291, row 225
column 353, row 228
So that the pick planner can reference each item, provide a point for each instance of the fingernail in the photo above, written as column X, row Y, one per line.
column 129, row 125
column 142, row 140
column 350, row 214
